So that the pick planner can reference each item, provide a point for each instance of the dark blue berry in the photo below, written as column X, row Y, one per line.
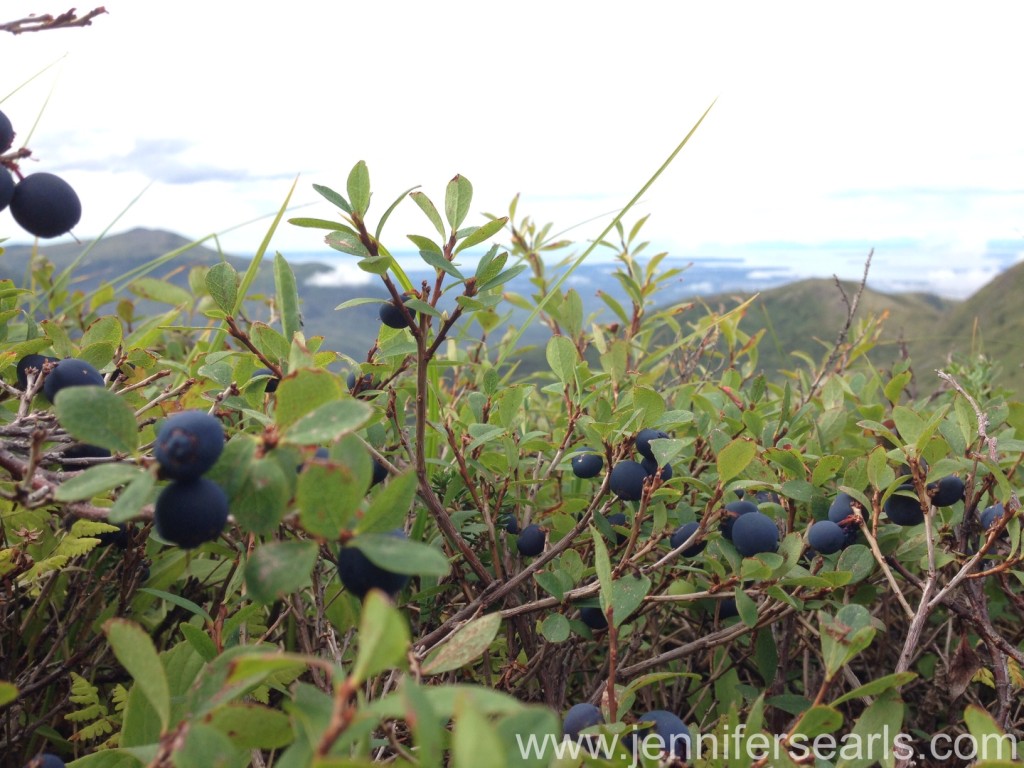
column 627, row 480
column 188, row 444
column 531, row 541
column 191, row 512
column 682, row 534
column 587, row 464
column 826, row 537
column 754, row 534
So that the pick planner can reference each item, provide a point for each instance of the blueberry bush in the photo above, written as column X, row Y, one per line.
column 222, row 544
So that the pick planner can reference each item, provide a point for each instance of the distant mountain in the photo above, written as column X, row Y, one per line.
column 797, row 315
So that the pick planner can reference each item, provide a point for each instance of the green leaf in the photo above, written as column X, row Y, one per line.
column 131, row 500
column 134, row 648
column 628, row 594
column 270, row 342
column 206, row 746
column 603, row 567
column 262, row 498
column 457, row 197
column 97, row 416
column 8, row 692
column 222, row 283
column 106, row 331
column 251, row 726
column 465, row 646
column 181, row 602
column 482, row 233
column 160, row 291
column 562, row 358
column 555, row 628
column 991, row 741
column 390, row 505
column 333, row 197
column 279, row 568
column 400, row 555
column 95, row 480
column 818, row 720
column 287, row 297
column 844, row 636
column 359, row 188
column 328, row 496
column 304, row 391
column 431, row 212
column 383, row 637
column 877, row 686
column 348, row 242
column 734, row 458
column 313, row 223
column 329, row 422
column 474, row 736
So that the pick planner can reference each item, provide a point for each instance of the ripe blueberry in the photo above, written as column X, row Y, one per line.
column 841, row 507
column 593, row 617
column 672, row 734
column 359, row 574
column 682, row 534
column 380, row 473
column 6, row 188
column 733, row 511
column 188, row 444
column 531, row 541
column 45, row 205
column 643, row 441
column 619, row 518
column 755, row 533
column 586, row 463
column 991, row 515
column 627, row 480
column 271, row 383
column 904, row 510
column 45, row 760
column 651, row 466
column 578, row 717
column 6, row 133
column 70, row 372
column 32, row 361
column 392, row 316
column 947, row 491
column 826, row 537
column 191, row 512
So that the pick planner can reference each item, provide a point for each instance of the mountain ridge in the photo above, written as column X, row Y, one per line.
column 801, row 315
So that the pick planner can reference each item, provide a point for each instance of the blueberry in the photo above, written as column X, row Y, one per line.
column 643, row 441
column 727, row 608
column 508, row 521
column 947, row 491
column 627, row 480
column 6, row 133
column 587, row 463
column 578, row 717
column 392, row 316
column 271, row 383
column 991, row 515
column 826, row 537
column 755, row 533
column 672, row 734
column 682, row 534
column 191, row 512
column 530, row 541
column 70, row 372
column 733, row 510
column 45, row 205
column 188, row 443
column 904, row 510
column 84, row 451
column 841, row 507
column 359, row 574
column 32, row 361
column 593, row 617
column 6, row 188
column 380, row 473
column 651, row 466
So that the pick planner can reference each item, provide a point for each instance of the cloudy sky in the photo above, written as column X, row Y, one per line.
column 897, row 126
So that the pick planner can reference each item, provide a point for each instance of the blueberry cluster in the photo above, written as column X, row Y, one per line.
column 191, row 509
column 41, row 203
column 628, row 476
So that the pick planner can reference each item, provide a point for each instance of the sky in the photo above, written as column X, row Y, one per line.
column 836, row 128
